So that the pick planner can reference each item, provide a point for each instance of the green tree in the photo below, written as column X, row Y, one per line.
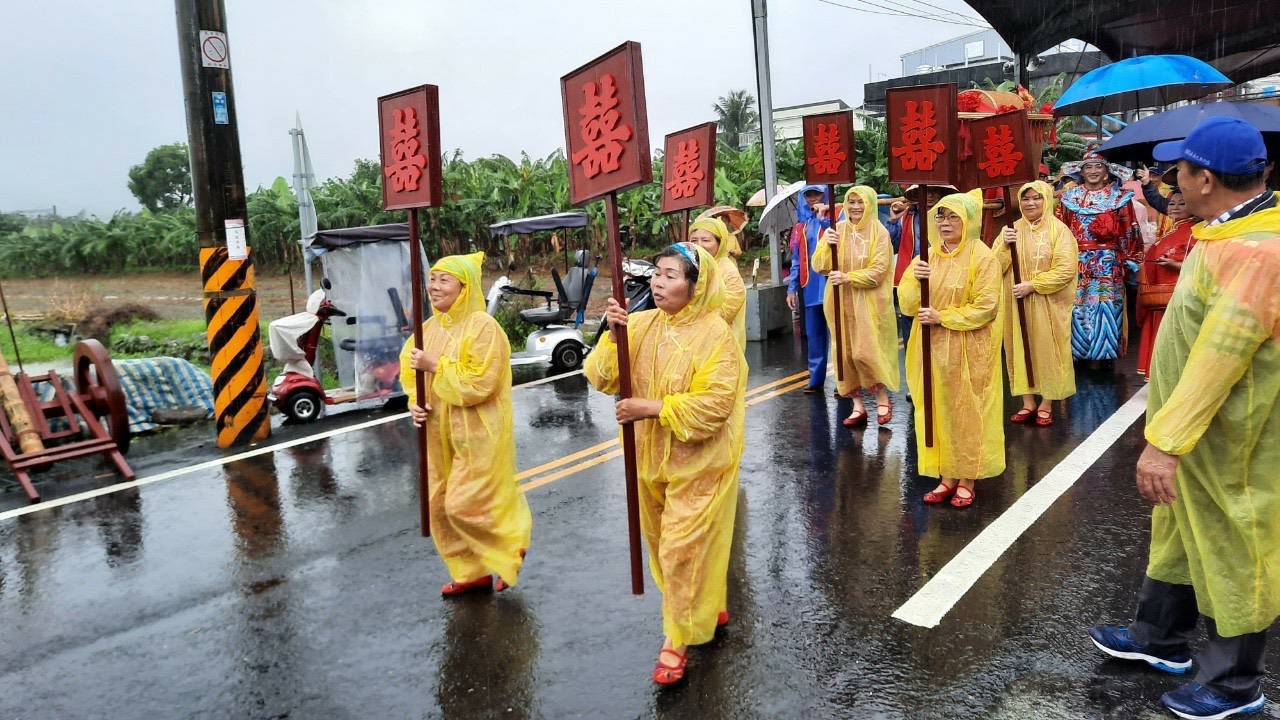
column 163, row 180
column 736, row 114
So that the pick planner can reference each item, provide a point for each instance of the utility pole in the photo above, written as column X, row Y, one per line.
column 759, row 21
column 217, row 182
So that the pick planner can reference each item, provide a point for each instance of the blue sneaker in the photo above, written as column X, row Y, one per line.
column 1115, row 641
column 1197, row 702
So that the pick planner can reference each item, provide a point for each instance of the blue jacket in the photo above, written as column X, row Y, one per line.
column 813, row 228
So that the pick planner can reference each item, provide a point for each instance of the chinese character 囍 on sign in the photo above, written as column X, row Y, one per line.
column 827, row 155
column 602, row 129
column 405, row 169
column 920, row 146
column 686, row 174
column 999, row 156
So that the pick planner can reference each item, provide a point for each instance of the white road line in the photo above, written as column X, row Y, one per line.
column 218, row 462
column 933, row 601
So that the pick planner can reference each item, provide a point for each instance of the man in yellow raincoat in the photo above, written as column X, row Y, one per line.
column 686, row 373
column 964, row 302
column 1048, row 266
column 480, row 521
column 868, row 324
column 1213, row 434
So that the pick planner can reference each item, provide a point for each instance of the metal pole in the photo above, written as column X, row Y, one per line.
column 217, row 182
column 303, row 198
column 759, row 20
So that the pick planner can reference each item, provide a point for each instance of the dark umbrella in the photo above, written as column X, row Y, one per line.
column 1136, row 141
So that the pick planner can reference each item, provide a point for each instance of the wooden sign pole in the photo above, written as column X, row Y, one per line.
column 836, row 305
column 1022, row 316
column 419, row 378
column 624, row 392
column 926, row 346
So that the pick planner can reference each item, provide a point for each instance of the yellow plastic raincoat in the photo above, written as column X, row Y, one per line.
column 480, row 520
column 1215, row 383
column 964, row 287
column 868, row 324
column 734, row 307
column 686, row 458
column 1048, row 259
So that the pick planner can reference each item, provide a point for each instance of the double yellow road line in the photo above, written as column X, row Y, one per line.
column 610, row 449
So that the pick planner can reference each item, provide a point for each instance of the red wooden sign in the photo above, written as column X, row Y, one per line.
column 605, row 125
column 1002, row 151
column 828, row 148
column 689, row 169
column 409, row 135
column 922, row 132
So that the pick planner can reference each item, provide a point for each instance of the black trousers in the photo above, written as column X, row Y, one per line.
column 1165, row 621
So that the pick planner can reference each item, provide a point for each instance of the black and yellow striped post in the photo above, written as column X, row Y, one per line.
column 217, row 184
column 235, row 348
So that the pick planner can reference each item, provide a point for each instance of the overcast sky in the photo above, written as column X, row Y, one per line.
column 87, row 88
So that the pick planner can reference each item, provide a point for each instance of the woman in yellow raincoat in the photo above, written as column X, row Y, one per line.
column 964, row 301
column 712, row 235
column 1048, row 261
column 868, row 324
column 480, row 521
column 686, row 372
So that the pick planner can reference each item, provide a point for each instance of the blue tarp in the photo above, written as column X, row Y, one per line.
column 151, row 384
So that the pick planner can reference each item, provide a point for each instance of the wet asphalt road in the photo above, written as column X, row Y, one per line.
column 294, row 584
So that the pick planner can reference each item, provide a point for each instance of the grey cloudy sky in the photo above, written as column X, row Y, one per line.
column 87, row 88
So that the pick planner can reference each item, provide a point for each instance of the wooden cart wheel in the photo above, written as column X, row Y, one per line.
column 101, row 391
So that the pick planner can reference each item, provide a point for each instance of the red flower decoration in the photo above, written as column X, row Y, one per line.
column 1105, row 227
column 968, row 101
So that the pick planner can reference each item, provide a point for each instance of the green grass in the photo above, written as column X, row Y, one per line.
column 34, row 348
column 159, row 329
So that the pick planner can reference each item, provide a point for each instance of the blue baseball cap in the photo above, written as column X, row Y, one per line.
column 1226, row 145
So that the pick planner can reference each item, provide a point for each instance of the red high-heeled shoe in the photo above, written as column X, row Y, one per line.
column 457, row 588
column 933, row 497
column 664, row 674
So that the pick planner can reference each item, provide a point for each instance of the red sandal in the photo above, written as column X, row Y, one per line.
column 1044, row 418
column 933, row 497
column 857, row 418
column 960, row 501
column 664, row 674
column 884, row 418
column 456, row 588
column 722, row 619
column 1021, row 416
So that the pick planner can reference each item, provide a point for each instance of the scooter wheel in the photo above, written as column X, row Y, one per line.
column 304, row 406
column 566, row 356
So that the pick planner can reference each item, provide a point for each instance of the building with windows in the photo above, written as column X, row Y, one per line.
column 788, row 122
column 979, row 48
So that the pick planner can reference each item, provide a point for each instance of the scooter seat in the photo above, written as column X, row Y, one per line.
column 543, row 315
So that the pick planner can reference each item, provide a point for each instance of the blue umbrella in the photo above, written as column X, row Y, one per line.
column 1136, row 141
column 1140, row 82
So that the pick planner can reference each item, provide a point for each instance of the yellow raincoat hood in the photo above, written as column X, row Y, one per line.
column 467, row 268
column 1044, row 190
column 716, row 226
column 708, row 294
column 869, row 214
column 969, row 207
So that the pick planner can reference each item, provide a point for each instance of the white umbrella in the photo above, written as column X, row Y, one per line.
column 758, row 200
column 780, row 214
